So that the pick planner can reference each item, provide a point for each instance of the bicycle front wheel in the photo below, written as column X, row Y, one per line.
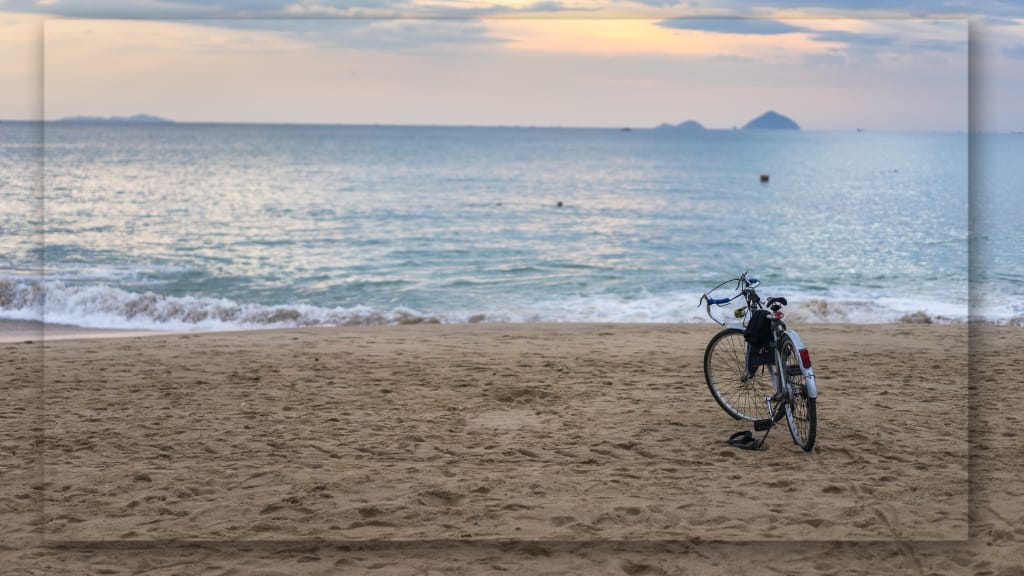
column 801, row 410
column 742, row 396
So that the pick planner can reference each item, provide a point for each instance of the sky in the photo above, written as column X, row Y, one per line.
column 829, row 65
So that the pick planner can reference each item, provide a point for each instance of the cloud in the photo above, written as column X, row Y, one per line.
column 862, row 39
column 379, row 34
column 137, row 8
column 606, row 37
column 854, row 39
column 733, row 26
column 881, row 8
column 157, row 9
column 731, row 17
column 469, row 8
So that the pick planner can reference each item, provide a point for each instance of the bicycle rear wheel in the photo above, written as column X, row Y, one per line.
column 741, row 397
column 801, row 410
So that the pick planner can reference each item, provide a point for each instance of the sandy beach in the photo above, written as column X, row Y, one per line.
column 497, row 448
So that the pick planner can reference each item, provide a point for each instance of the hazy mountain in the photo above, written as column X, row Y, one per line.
column 688, row 126
column 137, row 118
column 771, row 120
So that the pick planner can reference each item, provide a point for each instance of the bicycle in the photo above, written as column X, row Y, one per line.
column 761, row 386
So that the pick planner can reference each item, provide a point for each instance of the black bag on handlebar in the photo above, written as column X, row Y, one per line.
column 758, row 335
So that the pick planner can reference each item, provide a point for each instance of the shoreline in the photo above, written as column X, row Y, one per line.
column 32, row 330
column 12, row 331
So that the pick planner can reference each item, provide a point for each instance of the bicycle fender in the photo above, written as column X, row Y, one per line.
column 812, row 387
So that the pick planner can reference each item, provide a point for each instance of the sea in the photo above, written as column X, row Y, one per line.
column 194, row 227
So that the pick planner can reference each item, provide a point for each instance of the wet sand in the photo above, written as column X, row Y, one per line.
column 31, row 331
column 503, row 448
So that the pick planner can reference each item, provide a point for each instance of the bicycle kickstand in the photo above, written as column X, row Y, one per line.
column 766, row 424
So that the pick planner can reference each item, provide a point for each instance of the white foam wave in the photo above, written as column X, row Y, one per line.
column 99, row 306
column 102, row 306
column 683, row 307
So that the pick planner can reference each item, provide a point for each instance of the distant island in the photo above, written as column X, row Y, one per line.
column 688, row 126
column 771, row 120
column 136, row 119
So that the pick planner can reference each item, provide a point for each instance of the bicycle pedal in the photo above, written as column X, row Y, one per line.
column 794, row 371
column 763, row 424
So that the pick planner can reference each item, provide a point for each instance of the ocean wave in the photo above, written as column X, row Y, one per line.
column 100, row 306
column 682, row 307
column 103, row 306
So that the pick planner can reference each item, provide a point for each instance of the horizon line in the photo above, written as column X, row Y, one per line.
column 101, row 120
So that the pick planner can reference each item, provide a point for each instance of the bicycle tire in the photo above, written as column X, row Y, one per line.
column 801, row 411
column 724, row 368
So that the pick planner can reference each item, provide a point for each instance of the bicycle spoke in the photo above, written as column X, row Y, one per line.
column 739, row 395
column 801, row 408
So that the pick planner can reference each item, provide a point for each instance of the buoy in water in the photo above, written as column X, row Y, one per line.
column 764, row 177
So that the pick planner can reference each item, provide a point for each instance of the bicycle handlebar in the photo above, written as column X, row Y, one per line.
column 745, row 288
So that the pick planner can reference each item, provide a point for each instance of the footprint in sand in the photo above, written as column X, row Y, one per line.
column 439, row 498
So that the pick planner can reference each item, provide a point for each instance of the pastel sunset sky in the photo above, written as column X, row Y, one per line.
column 829, row 65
